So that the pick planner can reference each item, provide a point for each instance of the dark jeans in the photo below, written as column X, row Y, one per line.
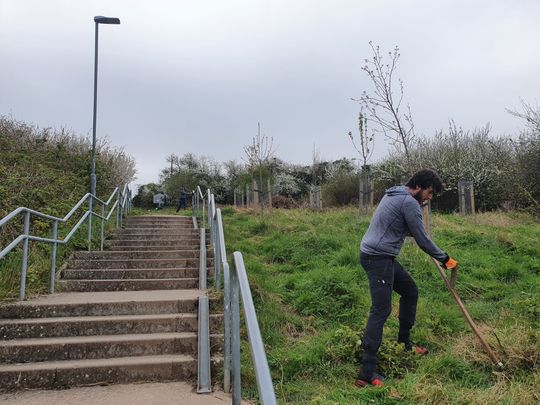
column 384, row 275
column 181, row 204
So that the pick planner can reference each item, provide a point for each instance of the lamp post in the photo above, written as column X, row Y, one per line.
column 98, row 20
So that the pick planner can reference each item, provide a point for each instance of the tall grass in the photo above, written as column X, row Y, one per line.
column 312, row 302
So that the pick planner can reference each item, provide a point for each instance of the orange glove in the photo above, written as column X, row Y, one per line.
column 450, row 264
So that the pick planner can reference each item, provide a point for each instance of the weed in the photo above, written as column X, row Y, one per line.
column 342, row 345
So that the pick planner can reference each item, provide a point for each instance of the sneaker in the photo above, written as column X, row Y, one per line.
column 376, row 380
column 419, row 350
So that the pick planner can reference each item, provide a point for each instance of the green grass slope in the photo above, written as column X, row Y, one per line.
column 312, row 301
column 48, row 170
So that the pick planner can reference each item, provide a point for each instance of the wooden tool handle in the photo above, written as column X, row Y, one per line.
column 453, row 277
column 470, row 321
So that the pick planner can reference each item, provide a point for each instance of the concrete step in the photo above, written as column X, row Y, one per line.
column 99, row 347
column 65, row 374
column 159, row 218
column 159, row 230
column 136, row 245
column 128, row 284
column 115, row 274
column 170, row 243
column 104, row 325
column 164, row 225
column 138, row 254
column 149, row 237
column 173, row 233
column 106, row 303
column 136, row 263
column 176, row 218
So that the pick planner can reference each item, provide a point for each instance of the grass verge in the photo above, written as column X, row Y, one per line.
column 312, row 302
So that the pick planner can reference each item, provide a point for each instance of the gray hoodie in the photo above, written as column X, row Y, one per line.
column 398, row 215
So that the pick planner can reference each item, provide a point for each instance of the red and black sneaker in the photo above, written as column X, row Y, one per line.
column 376, row 380
column 419, row 350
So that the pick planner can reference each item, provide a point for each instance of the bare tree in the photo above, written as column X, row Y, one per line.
column 384, row 105
column 258, row 156
column 172, row 159
column 316, row 157
column 366, row 141
column 365, row 150
column 529, row 113
column 527, row 153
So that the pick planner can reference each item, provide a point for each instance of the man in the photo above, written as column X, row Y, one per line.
column 398, row 215
column 182, row 199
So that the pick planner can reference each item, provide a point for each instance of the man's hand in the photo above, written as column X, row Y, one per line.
column 450, row 264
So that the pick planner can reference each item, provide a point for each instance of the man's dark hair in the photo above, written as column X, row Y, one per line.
column 424, row 179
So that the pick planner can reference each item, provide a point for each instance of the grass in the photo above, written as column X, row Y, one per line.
column 312, row 302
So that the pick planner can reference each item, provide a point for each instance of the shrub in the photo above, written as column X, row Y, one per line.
column 503, row 170
column 280, row 201
column 48, row 170
column 340, row 190
column 342, row 345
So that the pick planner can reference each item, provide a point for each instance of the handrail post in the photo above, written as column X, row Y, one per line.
column 215, row 246
column 118, row 209
column 202, row 259
column 217, row 263
column 223, row 253
column 126, row 204
column 102, row 225
column 226, row 327
column 262, row 371
column 90, row 209
column 203, row 370
column 235, row 307
column 203, row 221
column 25, row 255
column 53, row 255
column 121, row 210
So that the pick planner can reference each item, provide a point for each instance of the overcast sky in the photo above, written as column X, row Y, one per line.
column 196, row 76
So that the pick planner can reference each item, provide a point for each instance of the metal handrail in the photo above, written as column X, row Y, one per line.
column 236, row 286
column 122, row 205
column 258, row 355
column 204, row 380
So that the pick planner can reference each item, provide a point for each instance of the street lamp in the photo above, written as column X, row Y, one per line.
column 98, row 20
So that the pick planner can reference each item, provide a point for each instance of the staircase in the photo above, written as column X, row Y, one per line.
column 127, row 314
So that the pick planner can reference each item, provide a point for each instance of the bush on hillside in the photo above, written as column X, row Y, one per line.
column 188, row 172
column 145, row 195
column 342, row 189
column 48, row 170
column 498, row 167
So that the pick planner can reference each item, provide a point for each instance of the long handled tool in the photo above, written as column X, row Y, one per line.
column 450, row 283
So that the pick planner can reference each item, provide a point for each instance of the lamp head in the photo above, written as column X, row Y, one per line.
column 106, row 20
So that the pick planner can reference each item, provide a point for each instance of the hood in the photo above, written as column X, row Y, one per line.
column 397, row 190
